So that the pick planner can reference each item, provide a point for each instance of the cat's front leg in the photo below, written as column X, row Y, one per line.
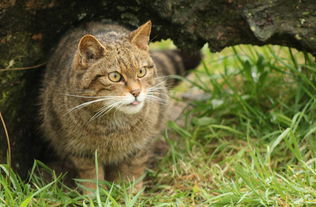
column 132, row 170
column 86, row 169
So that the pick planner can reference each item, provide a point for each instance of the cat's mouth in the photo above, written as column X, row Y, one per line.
column 132, row 108
column 134, row 103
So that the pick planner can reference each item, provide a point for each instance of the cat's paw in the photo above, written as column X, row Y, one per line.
column 136, row 188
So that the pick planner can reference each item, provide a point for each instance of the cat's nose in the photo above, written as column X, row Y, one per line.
column 135, row 92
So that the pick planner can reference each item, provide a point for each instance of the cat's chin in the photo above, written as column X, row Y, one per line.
column 131, row 108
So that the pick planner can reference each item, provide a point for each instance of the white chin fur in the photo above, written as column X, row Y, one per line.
column 131, row 109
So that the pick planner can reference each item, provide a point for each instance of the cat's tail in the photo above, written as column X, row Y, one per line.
column 175, row 62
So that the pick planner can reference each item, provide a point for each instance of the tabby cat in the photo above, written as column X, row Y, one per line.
column 102, row 95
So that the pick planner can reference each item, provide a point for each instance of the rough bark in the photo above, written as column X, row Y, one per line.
column 30, row 28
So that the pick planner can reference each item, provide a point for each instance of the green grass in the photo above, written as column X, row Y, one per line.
column 250, row 142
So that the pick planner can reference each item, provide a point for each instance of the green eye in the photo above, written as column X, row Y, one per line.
column 115, row 76
column 141, row 72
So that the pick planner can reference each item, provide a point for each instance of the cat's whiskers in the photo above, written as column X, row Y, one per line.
column 117, row 103
column 155, row 88
column 114, row 106
column 153, row 98
column 88, row 116
column 161, row 78
column 155, row 92
column 161, row 83
column 80, row 106
column 103, row 110
column 85, row 104
column 83, row 96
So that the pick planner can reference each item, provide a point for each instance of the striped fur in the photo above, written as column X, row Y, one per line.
column 79, row 101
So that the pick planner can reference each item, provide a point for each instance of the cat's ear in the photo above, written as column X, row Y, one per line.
column 140, row 36
column 90, row 50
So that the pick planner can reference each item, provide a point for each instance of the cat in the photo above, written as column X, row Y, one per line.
column 103, row 95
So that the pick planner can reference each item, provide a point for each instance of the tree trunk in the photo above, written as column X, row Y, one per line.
column 29, row 29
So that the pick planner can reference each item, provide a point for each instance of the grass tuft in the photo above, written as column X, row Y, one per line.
column 247, row 139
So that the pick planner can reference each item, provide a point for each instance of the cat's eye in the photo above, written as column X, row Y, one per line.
column 115, row 77
column 141, row 72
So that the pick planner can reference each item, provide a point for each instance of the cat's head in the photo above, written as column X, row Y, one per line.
column 117, row 67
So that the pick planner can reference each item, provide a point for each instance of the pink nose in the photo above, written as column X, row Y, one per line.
column 135, row 92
